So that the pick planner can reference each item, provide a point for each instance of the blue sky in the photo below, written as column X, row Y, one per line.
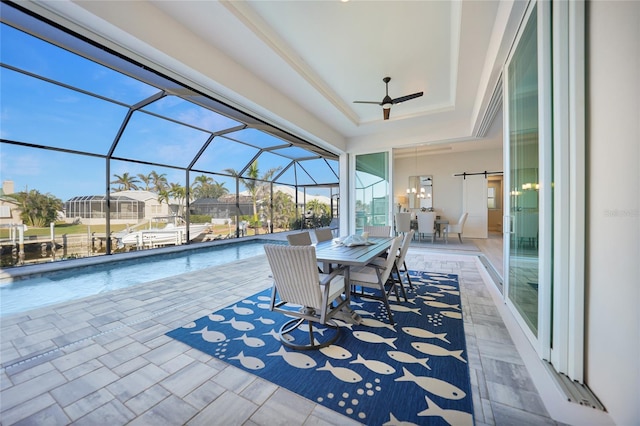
column 37, row 111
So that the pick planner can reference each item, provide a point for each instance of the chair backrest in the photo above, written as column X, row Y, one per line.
column 299, row 239
column 426, row 222
column 377, row 230
column 324, row 234
column 463, row 219
column 403, row 222
column 391, row 258
column 405, row 247
column 295, row 274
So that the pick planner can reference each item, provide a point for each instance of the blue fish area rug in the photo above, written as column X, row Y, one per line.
column 415, row 372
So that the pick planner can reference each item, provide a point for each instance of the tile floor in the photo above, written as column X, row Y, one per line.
column 105, row 359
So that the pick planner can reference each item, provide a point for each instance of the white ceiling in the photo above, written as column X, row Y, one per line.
column 301, row 64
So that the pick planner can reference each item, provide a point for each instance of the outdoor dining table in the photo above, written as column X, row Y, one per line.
column 334, row 252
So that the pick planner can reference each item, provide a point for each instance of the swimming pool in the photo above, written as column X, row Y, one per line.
column 56, row 287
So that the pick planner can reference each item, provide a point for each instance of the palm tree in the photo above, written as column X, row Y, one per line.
column 256, row 188
column 178, row 192
column 319, row 209
column 146, row 179
column 159, row 181
column 284, row 209
column 125, row 182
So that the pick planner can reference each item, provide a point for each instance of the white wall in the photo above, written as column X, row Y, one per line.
column 613, row 232
column 447, row 188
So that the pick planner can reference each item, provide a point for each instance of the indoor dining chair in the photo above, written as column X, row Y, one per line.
column 426, row 225
column 456, row 227
column 403, row 222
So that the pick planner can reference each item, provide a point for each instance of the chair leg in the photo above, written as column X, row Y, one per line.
column 395, row 282
column 460, row 237
column 408, row 277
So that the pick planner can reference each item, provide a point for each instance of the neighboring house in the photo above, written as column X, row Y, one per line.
column 9, row 210
column 129, row 207
column 9, row 207
column 152, row 208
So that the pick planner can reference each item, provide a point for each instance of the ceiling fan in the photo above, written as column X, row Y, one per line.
column 387, row 101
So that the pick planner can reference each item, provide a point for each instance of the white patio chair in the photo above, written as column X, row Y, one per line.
column 377, row 230
column 299, row 239
column 456, row 227
column 299, row 291
column 400, row 266
column 323, row 234
column 426, row 225
column 376, row 276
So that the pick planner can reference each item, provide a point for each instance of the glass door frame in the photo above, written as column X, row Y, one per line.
column 352, row 228
column 542, row 340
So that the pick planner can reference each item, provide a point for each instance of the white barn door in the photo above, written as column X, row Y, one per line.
column 474, row 202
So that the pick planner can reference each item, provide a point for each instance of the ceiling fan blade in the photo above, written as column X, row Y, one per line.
column 367, row 102
column 406, row 98
column 386, row 113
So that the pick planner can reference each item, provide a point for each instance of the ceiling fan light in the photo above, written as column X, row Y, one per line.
column 386, row 106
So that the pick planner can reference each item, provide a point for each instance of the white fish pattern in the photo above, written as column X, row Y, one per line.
column 249, row 362
column 343, row 324
column 371, row 322
column 305, row 327
column 252, row 342
column 453, row 417
column 432, row 385
column 192, row 324
column 401, row 308
column 407, row 358
column 426, row 297
column 240, row 310
column 273, row 334
column 368, row 337
column 393, row 421
column 342, row 373
column 374, row 365
column 444, row 286
column 454, row 292
column 295, row 359
column 361, row 313
column 210, row 336
column 265, row 321
column 435, row 350
column 240, row 325
column 264, row 305
column 442, row 305
column 426, row 334
column 216, row 317
column 336, row 352
column 451, row 314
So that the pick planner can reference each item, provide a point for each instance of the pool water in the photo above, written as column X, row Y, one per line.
column 56, row 287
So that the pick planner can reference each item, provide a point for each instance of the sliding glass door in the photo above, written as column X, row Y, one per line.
column 371, row 190
column 522, row 235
